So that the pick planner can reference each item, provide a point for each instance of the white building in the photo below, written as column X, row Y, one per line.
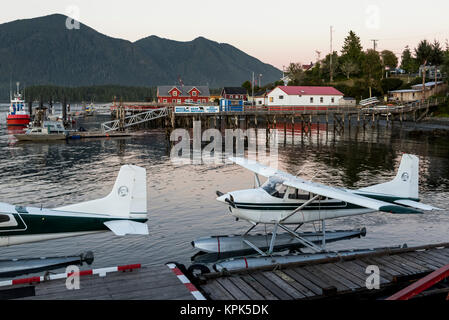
column 304, row 96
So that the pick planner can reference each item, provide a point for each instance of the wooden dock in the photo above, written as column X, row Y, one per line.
column 338, row 278
column 99, row 134
column 326, row 279
column 145, row 283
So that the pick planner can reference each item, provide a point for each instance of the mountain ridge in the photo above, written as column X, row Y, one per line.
column 42, row 51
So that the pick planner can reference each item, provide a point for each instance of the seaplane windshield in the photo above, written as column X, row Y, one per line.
column 275, row 187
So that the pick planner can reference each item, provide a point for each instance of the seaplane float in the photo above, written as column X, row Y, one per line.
column 285, row 200
column 122, row 212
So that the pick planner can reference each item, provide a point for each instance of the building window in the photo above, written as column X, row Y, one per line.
column 311, row 99
column 179, row 100
column 332, row 100
column 175, row 93
column 281, row 97
column 194, row 93
column 165, row 100
column 321, row 99
column 204, row 100
column 271, row 99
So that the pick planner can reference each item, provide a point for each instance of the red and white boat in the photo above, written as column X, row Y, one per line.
column 18, row 115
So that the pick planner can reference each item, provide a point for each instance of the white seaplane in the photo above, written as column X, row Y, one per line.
column 285, row 200
column 123, row 211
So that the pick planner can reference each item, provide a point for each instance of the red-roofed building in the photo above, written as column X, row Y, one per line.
column 304, row 96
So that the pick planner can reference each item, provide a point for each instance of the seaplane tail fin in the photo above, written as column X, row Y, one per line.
column 128, row 198
column 405, row 184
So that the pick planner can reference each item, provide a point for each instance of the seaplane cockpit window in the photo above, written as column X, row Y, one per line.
column 297, row 194
column 275, row 188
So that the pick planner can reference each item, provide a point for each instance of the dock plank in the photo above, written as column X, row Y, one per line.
column 426, row 263
column 305, row 282
column 360, row 271
column 438, row 255
column 395, row 259
column 281, row 283
column 327, row 278
column 270, row 286
column 413, row 264
column 249, row 291
column 258, row 287
column 232, row 289
column 312, row 278
column 342, row 277
column 297, row 285
column 384, row 269
column 216, row 292
column 400, row 271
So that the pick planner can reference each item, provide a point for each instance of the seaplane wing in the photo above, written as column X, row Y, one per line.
column 417, row 205
column 399, row 206
column 347, row 196
column 260, row 169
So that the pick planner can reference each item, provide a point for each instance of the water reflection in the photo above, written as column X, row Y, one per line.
column 182, row 202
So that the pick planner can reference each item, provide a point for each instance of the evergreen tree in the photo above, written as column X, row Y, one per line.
column 408, row 63
column 389, row 59
column 437, row 55
column 423, row 54
column 352, row 49
column 372, row 69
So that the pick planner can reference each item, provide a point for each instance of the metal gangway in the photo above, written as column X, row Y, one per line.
column 126, row 122
column 369, row 102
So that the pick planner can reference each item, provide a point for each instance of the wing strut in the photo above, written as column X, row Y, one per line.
column 300, row 208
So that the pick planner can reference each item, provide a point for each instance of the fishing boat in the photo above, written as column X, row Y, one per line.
column 17, row 116
column 49, row 131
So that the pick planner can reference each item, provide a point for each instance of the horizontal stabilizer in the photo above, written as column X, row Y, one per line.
column 417, row 205
column 124, row 227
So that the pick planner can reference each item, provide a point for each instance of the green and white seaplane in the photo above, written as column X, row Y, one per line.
column 285, row 200
column 123, row 211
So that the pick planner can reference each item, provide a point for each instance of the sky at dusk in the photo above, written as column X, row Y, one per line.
column 276, row 32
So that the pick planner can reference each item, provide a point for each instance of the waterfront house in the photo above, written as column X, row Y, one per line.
column 260, row 98
column 234, row 93
column 416, row 92
column 304, row 96
column 348, row 102
column 183, row 94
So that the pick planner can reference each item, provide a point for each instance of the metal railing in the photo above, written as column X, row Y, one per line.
column 134, row 119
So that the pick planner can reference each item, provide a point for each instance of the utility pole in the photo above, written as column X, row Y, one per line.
column 330, row 60
column 252, row 87
column 374, row 43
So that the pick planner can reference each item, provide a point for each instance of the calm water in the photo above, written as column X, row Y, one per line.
column 181, row 200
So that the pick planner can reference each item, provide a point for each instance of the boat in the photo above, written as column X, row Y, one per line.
column 89, row 110
column 17, row 116
column 49, row 131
